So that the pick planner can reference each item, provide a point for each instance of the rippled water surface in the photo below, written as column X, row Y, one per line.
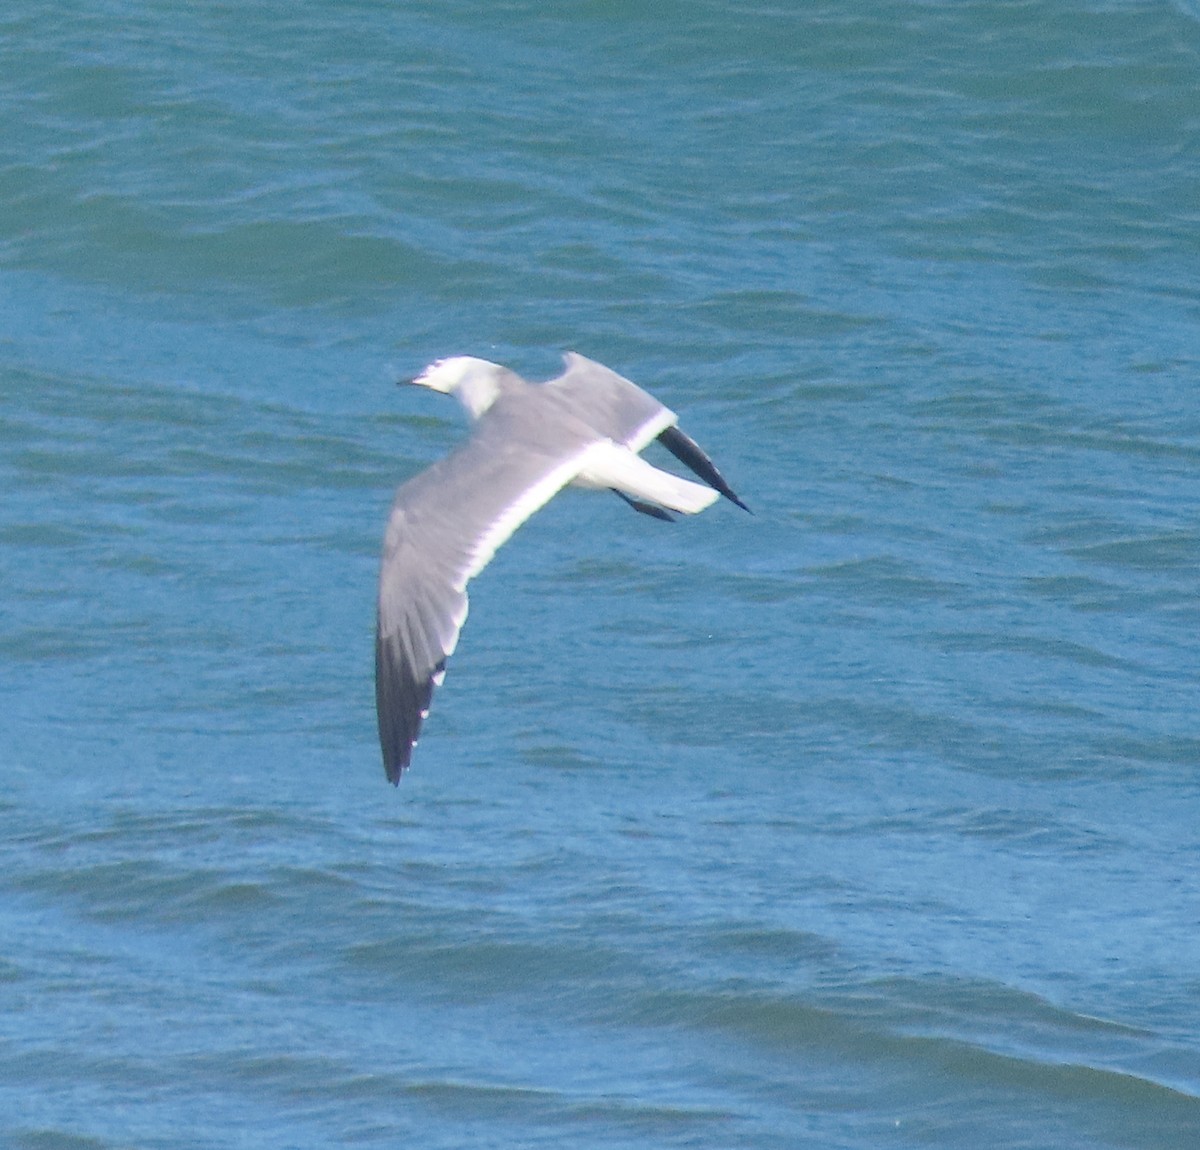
column 870, row 820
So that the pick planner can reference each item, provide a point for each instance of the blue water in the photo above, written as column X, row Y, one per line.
column 872, row 820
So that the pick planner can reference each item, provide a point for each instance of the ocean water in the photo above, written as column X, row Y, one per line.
column 870, row 820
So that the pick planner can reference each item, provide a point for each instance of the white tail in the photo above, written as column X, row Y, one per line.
column 611, row 465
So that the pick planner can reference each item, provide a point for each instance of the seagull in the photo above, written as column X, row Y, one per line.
column 529, row 441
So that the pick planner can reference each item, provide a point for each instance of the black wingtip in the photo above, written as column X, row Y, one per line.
column 729, row 494
column 396, row 760
column 689, row 453
column 401, row 704
column 394, row 766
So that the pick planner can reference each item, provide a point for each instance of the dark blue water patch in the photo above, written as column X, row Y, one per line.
column 51, row 1139
column 1012, row 1052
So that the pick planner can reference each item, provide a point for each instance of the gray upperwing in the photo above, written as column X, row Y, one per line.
column 618, row 408
column 615, row 406
column 445, row 524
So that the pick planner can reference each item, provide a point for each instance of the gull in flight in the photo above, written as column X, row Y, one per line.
column 528, row 442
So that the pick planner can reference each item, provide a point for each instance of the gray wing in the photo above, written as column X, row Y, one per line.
column 615, row 406
column 618, row 408
column 445, row 525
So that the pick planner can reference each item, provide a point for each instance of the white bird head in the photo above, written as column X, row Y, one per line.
column 474, row 382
